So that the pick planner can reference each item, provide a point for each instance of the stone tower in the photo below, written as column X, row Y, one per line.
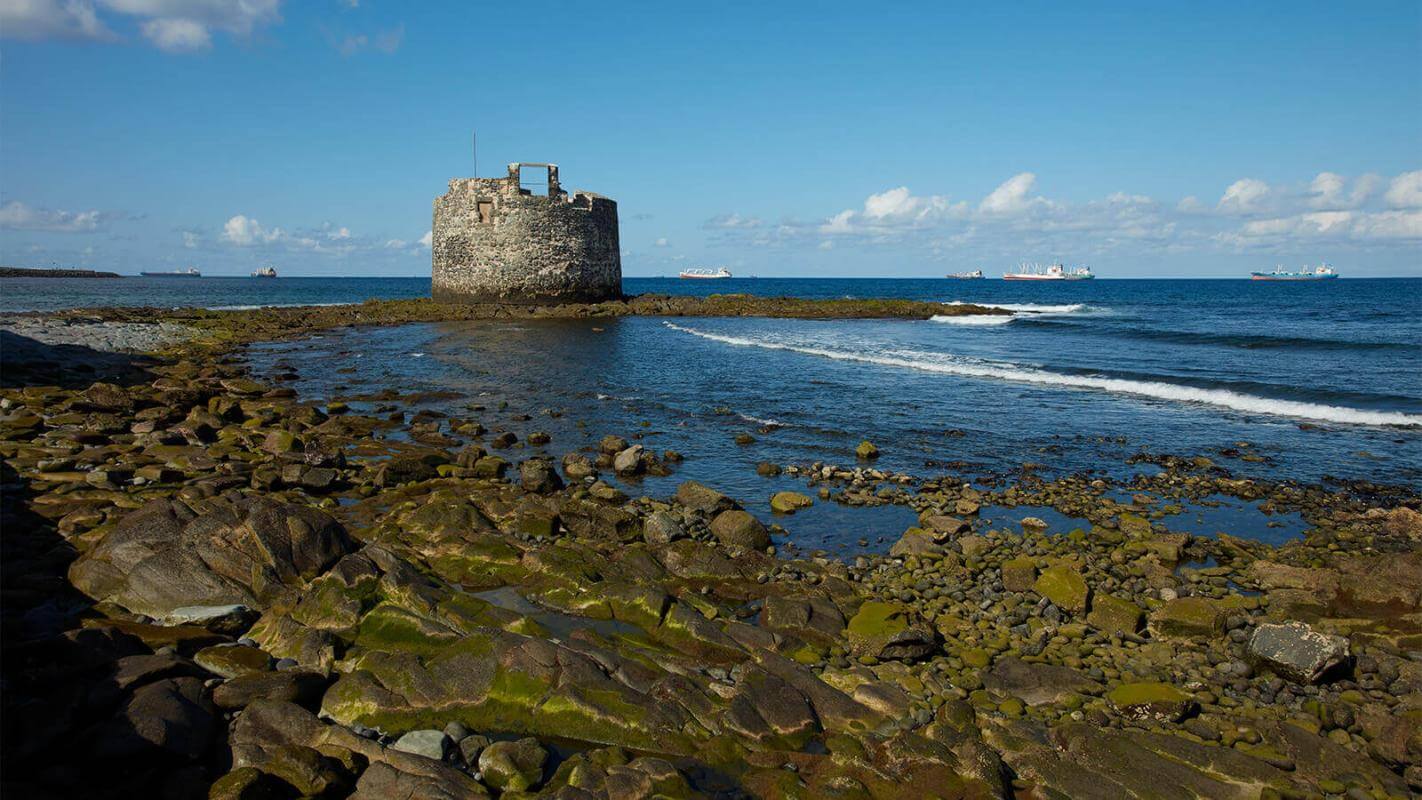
column 496, row 242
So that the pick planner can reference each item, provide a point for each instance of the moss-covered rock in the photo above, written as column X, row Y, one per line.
column 1150, row 700
column 1188, row 616
column 1063, row 585
column 1114, row 614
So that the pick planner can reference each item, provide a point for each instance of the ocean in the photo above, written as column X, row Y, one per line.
column 1310, row 381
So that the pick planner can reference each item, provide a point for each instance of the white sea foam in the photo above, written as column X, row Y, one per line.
column 276, row 305
column 1027, row 308
column 757, row 420
column 950, row 365
column 975, row 319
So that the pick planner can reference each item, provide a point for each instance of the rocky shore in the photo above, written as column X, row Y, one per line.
column 213, row 588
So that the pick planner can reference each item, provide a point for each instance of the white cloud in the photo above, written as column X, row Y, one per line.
column 427, row 239
column 174, row 26
column 1011, row 196
column 51, row 19
column 893, row 203
column 191, row 239
column 662, row 242
column 1405, row 191
column 244, row 231
column 387, row 41
column 732, row 221
column 16, row 215
column 1244, row 196
column 177, row 35
column 1329, row 191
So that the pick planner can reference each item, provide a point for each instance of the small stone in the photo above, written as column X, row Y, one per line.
column 866, row 451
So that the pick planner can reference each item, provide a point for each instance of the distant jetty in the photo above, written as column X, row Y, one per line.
column 24, row 272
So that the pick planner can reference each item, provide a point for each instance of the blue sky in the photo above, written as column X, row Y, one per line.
column 804, row 139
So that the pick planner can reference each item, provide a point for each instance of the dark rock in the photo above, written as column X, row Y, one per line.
column 303, row 688
column 699, row 497
column 1298, row 653
column 538, row 475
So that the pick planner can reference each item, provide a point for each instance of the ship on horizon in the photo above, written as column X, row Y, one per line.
column 705, row 274
column 976, row 274
column 1054, row 272
column 1322, row 272
column 190, row 272
column 265, row 272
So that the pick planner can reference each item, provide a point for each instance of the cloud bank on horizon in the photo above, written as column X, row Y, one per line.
column 1331, row 206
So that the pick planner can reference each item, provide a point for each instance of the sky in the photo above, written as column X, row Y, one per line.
column 910, row 139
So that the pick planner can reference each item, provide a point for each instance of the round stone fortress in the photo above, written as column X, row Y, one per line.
column 495, row 242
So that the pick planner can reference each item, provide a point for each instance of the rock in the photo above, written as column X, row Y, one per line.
column 866, row 450
column 1115, row 615
column 916, row 542
column 106, row 397
column 1033, row 525
column 885, row 631
column 538, row 475
column 231, row 661
column 660, row 528
column 1037, row 684
column 612, row 445
column 699, row 497
column 1064, row 586
column 406, row 469
column 789, row 502
column 504, row 440
column 170, row 715
column 629, row 461
column 1188, row 616
column 1153, row 701
column 513, row 766
column 428, row 743
column 1297, row 653
column 251, row 551
column 577, row 467
column 231, row 619
column 1019, row 574
column 1401, row 521
column 740, row 529
column 303, row 688
column 972, row 546
column 945, row 525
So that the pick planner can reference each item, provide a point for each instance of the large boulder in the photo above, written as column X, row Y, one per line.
column 249, row 551
column 1298, row 653
column 886, row 631
column 740, row 529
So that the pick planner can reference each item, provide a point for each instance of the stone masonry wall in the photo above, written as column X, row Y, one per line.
column 494, row 242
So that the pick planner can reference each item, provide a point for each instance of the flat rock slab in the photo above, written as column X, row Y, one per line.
column 1298, row 653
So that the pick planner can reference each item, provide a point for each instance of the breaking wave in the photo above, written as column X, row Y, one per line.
column 1026, row 308
column 1160, row 390
column 975, row 319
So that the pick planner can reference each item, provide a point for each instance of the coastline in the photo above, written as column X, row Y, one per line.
column 449, row 580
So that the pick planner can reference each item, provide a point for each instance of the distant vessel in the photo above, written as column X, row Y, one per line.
column 264, row 272
column 190, row 272
column 1055, row 272
column 706, row 273
column 976, row 274
column 1322, row 272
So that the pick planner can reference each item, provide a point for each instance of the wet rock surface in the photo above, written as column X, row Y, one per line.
column 213, row 588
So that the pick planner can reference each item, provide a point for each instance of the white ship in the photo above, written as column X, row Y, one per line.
column 976, row 274
column 706, row 273
column 1054, row 272
column 264, row 272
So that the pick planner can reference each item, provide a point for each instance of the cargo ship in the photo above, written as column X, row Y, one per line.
column 975, row 275
column 1322, row 272
column 1055, row 272
column 190, row 272
column 264, row 272
column 704, row 274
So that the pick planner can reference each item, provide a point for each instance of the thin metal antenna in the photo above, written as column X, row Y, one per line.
column 474, row 144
